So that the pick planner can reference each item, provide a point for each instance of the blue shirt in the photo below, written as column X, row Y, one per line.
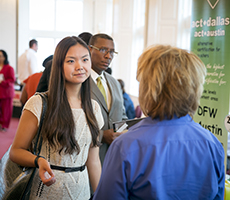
column 169, row 159
column 129, row 107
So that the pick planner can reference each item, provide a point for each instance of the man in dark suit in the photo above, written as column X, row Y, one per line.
column 102, row 52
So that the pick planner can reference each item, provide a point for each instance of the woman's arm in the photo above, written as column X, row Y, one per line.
column 94, row 166
column 26, row 131
column 19, row 153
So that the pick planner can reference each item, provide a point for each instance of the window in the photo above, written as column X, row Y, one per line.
column 138, row 42
column 184, row 21
column 41, row 15
column 52, row 20
column 69, row 16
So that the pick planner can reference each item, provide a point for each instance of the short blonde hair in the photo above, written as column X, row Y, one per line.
column 171, row 82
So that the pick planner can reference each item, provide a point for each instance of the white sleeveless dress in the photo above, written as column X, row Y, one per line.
column 74, row 185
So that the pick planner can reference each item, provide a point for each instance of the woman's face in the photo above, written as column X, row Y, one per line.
column 77, row 64
column 2, row 58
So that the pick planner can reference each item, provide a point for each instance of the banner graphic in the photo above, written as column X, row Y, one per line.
column 210, row 40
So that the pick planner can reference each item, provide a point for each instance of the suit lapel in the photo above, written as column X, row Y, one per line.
column 97, row 94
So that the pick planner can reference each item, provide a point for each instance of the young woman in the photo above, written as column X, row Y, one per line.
column 70, row 128
column 7, row 79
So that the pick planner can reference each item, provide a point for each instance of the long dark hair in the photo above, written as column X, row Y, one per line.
column 6, row 62
column 59, row 126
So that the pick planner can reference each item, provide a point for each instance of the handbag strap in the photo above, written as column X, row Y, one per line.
column 39, row 137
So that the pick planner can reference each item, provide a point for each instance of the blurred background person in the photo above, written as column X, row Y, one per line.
column 85, row 36
column 27, row 62
column 128, row 103
column 7, row 79
column 166, row 155
column 31, row 83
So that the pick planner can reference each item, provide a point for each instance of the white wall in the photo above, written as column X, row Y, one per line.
column 123, row 37
column 117, row 18
column 23, row 26
column 8, row 30
column 162, row 26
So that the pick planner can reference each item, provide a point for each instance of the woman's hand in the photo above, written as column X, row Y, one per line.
column 45, row 172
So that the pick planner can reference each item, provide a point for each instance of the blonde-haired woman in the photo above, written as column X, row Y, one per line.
column 166, row 155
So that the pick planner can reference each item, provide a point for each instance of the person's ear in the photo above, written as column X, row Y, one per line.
column 90, row 48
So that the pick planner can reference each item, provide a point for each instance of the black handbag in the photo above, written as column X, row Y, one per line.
column 15, row 180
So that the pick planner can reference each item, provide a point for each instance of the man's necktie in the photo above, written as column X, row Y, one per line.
column 101, row 88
